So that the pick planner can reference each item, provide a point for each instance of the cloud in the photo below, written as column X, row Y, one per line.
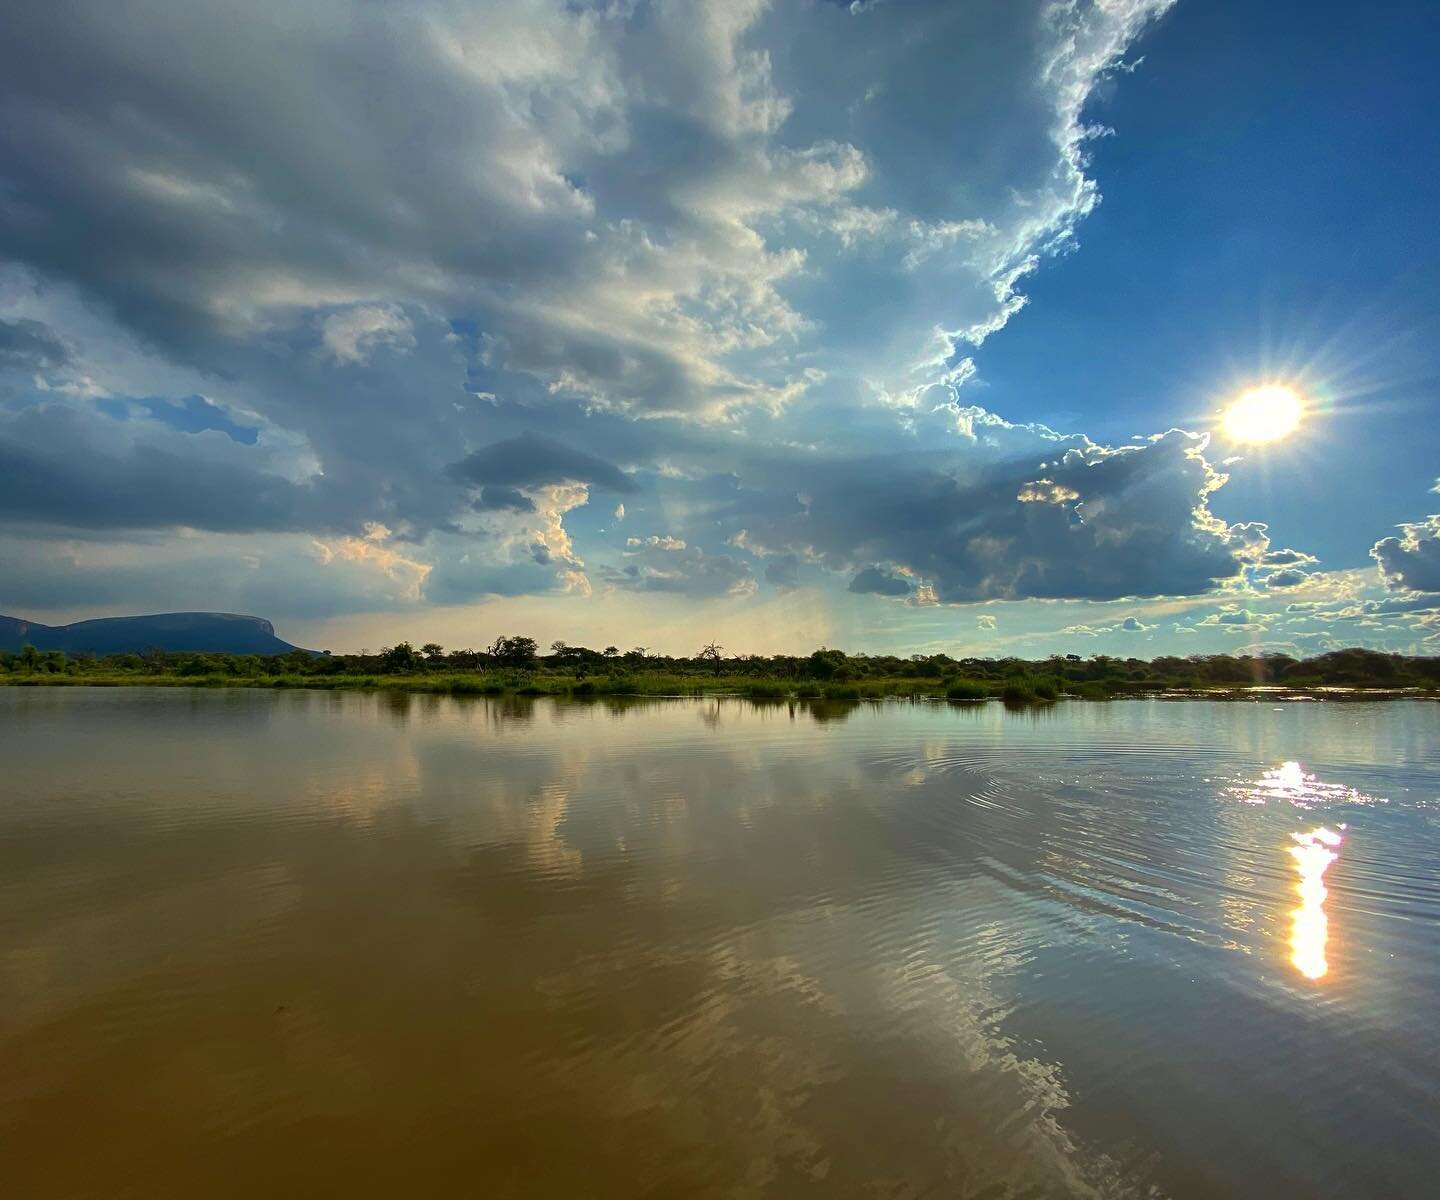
column 987, row 621
column 59, row 467
column 1236, row 617
column 30, row 345
column 667, row 564
column 1412, row 560
column 372, row 550
column 1286, row 558
column 352, row 336
column 880, row 582
column 1128, row 625
column 783, row 572
column 513, row 253
column 1140, row 528
column 498, row 497
column 533, row 459
column 666, row 201
column 1288, row 578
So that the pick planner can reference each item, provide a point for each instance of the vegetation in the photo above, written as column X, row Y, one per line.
column 514, row 664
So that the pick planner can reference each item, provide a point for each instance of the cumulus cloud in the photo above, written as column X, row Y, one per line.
column 654, row 181
column 710, row 258
column 495, row 496
column 987, row 621
column 1141, row 525
column 1239, row 618
column 532, row 459
column 353, row 335
column 1287, row 578
column 1128, row 625
column 373, row 550
column 880, row 582
column 1412, row 560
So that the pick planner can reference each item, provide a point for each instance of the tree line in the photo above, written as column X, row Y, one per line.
column 519, row 655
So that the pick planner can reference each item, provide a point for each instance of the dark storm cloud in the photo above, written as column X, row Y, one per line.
column 533, row 460
column 495, row 499
column 1135, row 522
column 880, row 582
column 30, row 345
column 53, row 470
column 783, row 572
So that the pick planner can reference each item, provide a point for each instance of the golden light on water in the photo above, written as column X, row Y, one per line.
column 1313, row 853
column 1263, row 414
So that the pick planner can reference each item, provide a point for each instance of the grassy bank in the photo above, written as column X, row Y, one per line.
column 1013, row 690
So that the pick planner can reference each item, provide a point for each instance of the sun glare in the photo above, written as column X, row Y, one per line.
column 1263, row 414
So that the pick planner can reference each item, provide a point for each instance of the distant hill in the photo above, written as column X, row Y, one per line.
column 208, row 633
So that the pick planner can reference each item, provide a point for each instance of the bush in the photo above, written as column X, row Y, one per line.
column 966, row 689
column 765, row 691
column 842, row 692
column 1018, row 693
column 1046, row 689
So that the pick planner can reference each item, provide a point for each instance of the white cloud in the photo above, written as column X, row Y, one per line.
column 353, row 335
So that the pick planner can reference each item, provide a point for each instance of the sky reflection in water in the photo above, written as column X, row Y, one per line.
column 375, row 945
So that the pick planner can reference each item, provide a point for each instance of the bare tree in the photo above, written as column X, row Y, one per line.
column 712, row 653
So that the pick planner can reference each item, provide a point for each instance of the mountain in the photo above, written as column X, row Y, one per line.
column 210, row 633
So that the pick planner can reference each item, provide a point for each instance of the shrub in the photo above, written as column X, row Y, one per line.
column 1018, row 693
column 765, row 691
column 966, row 689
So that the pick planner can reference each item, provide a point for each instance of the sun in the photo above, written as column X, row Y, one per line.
column 1263, row 414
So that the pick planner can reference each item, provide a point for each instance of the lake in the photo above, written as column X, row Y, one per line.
column 341, row 944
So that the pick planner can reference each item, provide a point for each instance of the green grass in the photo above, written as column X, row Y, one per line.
column 1024, row 689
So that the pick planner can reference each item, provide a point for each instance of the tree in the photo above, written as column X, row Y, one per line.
column 433, row 651
column 399, row 657
column 29, row 656
column 827, row 664
column 515, row 652
column 712, row 654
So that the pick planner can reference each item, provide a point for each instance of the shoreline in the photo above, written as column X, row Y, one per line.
column 664, row 687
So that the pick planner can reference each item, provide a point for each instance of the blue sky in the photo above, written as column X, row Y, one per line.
column 893, row 326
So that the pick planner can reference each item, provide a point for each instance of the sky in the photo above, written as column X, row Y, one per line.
column 896, row 326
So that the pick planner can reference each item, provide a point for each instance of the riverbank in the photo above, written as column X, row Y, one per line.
column 543, row 683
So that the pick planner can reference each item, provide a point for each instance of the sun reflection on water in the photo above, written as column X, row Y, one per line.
column 1290, row 782
column 1313, row 853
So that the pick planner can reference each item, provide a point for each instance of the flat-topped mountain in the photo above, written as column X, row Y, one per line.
column 201, row 632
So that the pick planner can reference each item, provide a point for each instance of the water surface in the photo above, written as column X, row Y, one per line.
column 258, row 943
